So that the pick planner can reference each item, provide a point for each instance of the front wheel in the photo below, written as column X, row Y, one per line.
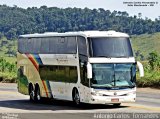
column 76, row 97
column 31, row 94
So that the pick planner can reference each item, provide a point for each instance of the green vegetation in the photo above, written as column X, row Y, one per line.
column 8, row 51
column 8, row 48
column 7, row 71
column 152, row 72
column 147, row 50
column 16, row 21
column 22, row 82
column 145, row 44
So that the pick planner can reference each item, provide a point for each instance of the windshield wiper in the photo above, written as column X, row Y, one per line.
column 104, row 56
column 127, row 86
column 122, row 57
column 108, row 87
column 100, row 87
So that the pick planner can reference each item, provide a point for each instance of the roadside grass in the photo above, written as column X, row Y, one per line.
column 151, row 77
column 8, row 70
column 8, row 77
column 11, row 59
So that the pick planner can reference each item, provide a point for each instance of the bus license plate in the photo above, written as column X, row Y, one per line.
column 115, row 100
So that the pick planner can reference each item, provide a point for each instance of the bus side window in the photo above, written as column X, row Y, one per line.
column 82, row 47
column 83, row 74
column 73, row 74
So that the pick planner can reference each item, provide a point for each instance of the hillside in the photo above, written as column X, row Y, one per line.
column 145, row 44
column 16, row 21
column 8, row 47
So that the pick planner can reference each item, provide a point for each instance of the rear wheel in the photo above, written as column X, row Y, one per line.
column 31, row 93
column 76, row 97
column 37, row 94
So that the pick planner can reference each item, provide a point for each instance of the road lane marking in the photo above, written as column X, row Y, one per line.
column 151, row 108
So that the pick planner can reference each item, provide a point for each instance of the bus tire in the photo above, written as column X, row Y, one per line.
column 31, row 93
column 37, row 94
column 76, row 97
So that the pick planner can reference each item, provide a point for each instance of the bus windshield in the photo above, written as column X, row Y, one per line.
column 113, row 75
column 110, row 47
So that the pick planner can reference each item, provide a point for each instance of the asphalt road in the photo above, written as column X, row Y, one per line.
column 18, row 106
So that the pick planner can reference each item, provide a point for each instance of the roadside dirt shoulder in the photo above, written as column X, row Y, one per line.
column 148, row 90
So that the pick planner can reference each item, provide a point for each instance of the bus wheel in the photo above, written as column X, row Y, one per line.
column 31, row 93
column 76, row 97
column 116, row 104
column 37, row 94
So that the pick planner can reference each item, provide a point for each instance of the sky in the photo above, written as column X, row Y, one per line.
column 151, row 12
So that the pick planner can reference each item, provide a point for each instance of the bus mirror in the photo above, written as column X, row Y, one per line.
column 141, row 70
column 89, row 70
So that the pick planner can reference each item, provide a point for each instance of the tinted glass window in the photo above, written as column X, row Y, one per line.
column 110, row 47
column 53, row 45
column 36, row 45
column 82, row 47
column 53, row 42
column 22, row 45
column 114, row 75
column 31, row 45
column 59, row 73
column 83, row 74
column 44, row 45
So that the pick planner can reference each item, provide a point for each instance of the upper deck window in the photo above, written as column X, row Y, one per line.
column 48, row 45
column 110, row 47
column 82, row 46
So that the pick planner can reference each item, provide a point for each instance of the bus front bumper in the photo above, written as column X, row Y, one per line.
column 112, row 100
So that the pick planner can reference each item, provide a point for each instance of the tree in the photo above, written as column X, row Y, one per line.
column 16, row 21
column 140, row 15
column 154, row 60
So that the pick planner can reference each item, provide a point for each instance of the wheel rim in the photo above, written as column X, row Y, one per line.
column 32, row 94
column 38, row 97
column 38, row 94
column 76, row 98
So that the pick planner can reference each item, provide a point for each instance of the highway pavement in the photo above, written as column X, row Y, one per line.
column 18, row 106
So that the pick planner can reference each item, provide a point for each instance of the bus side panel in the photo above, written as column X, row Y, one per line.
column 28, row 73
column 22, row 74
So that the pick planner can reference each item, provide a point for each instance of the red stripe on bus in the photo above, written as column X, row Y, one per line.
column 36, row 66
column 45, row 88
column 33, row 61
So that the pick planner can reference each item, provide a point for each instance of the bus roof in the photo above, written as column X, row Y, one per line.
column 79, row 33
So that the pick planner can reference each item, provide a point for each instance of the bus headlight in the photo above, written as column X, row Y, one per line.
column 96, row 94
column 93, row 93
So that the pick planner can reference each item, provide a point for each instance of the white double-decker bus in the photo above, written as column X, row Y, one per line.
column 96, row 67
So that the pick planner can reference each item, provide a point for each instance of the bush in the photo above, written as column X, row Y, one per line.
column 7, row 71
column 152, row 74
